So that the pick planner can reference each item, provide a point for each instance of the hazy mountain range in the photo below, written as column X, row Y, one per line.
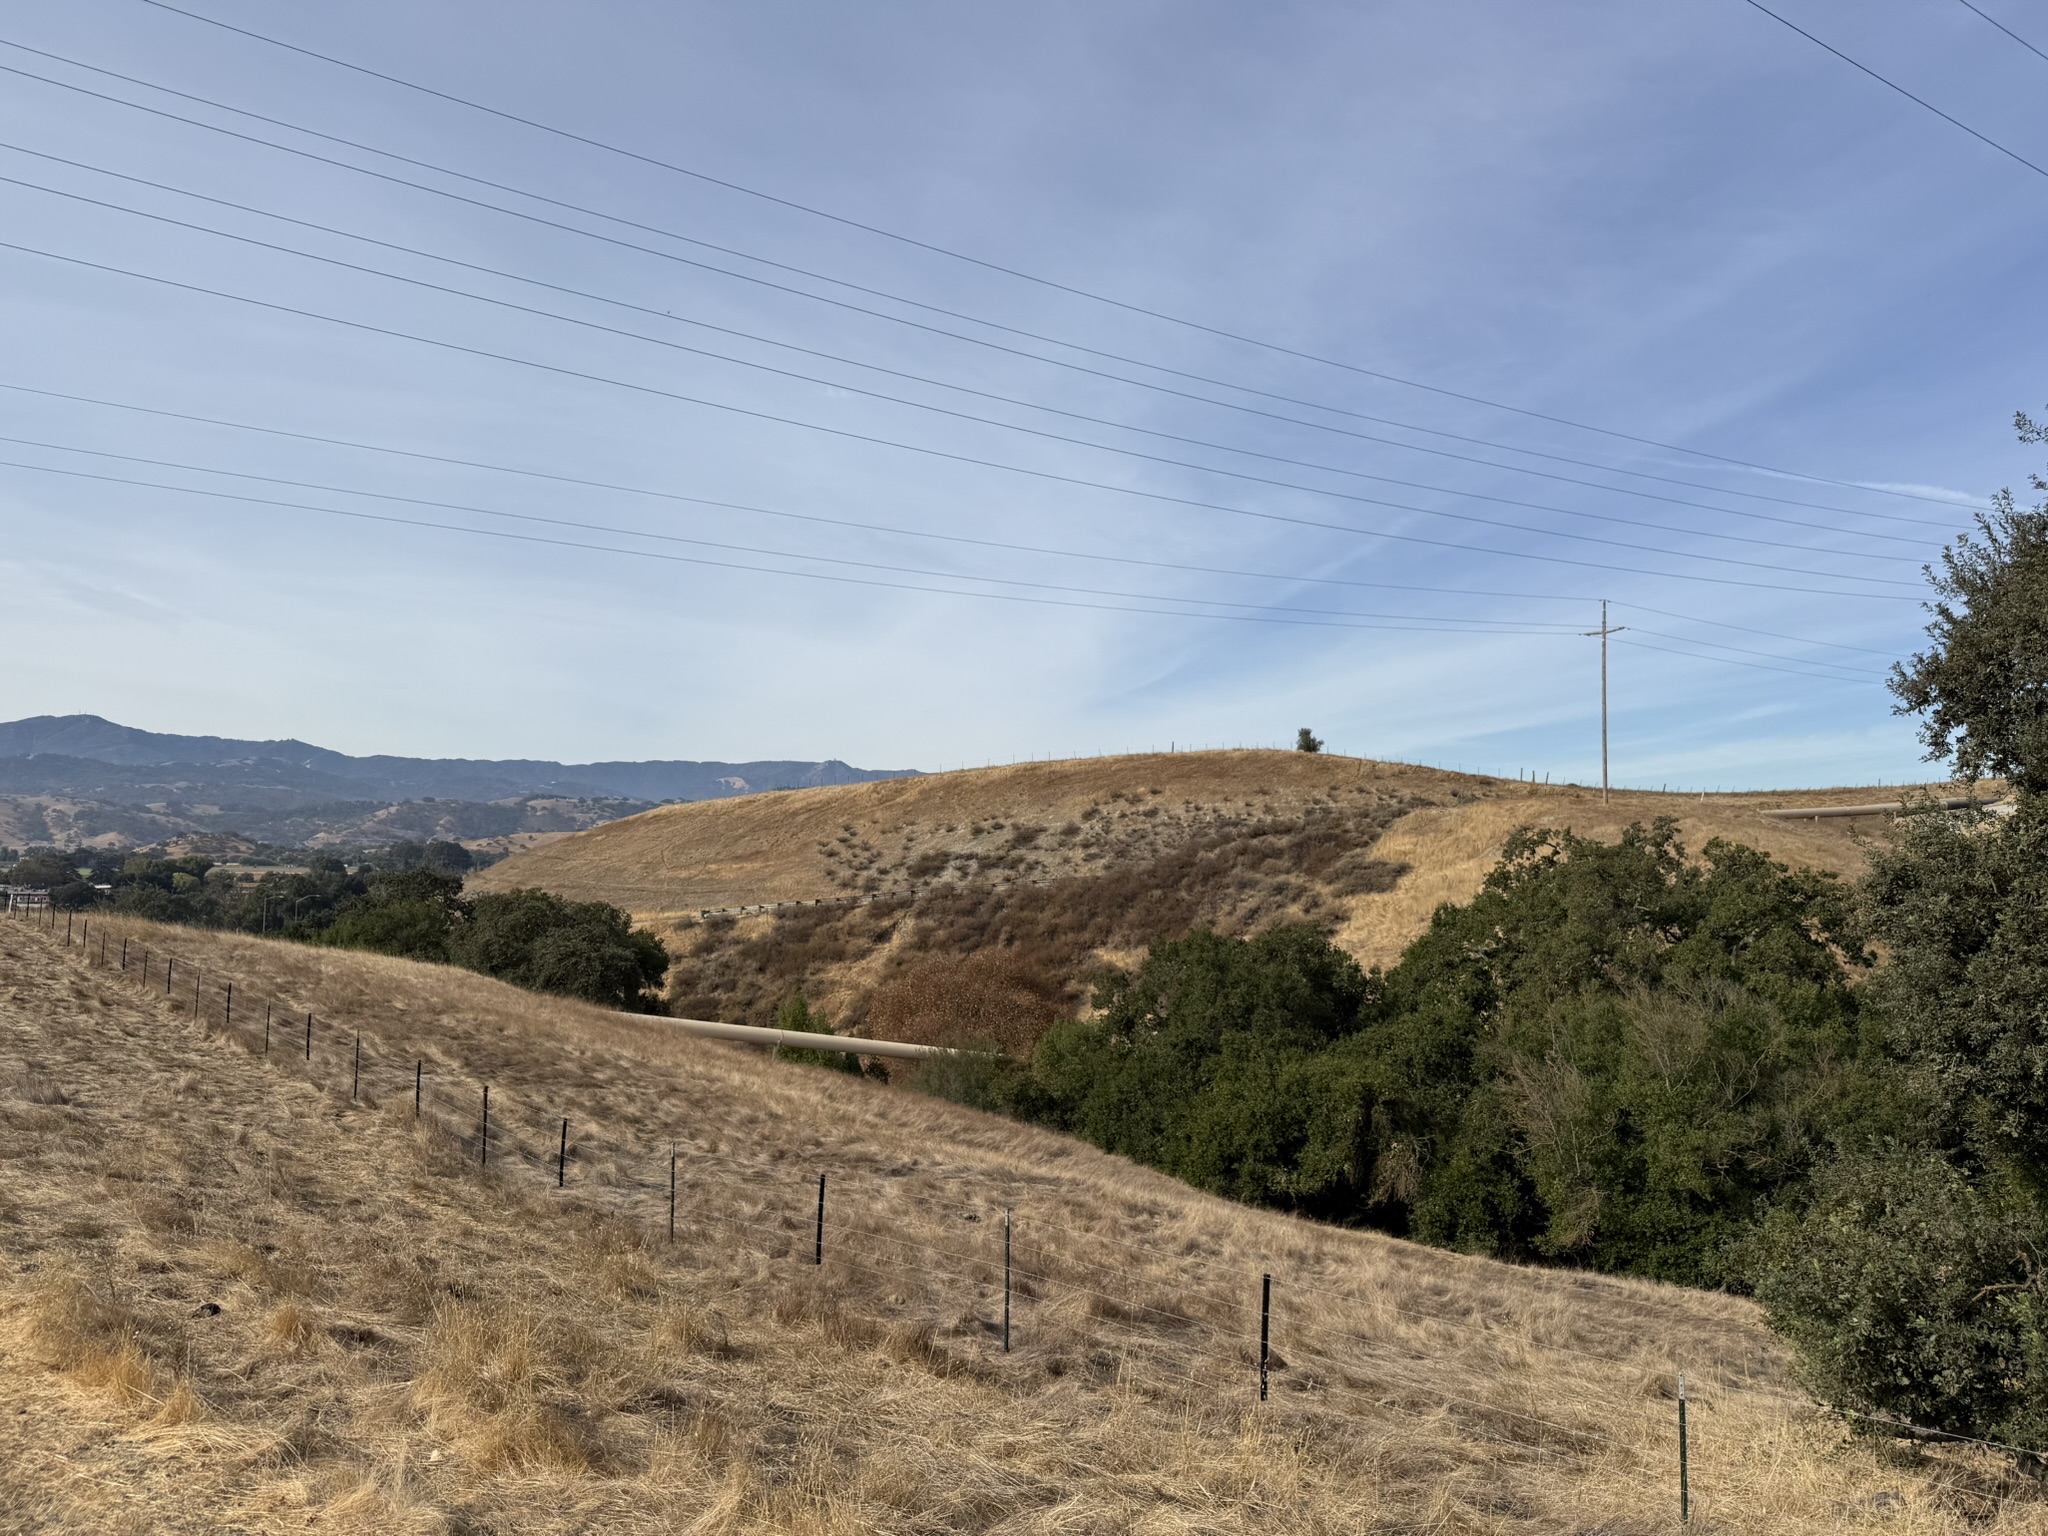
column 86, row 778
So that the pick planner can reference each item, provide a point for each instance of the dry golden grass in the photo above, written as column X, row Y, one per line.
column 774, row 847
column 820, row 843
column 235, row 1299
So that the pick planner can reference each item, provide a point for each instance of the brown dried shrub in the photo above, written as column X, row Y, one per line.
column 988, row 998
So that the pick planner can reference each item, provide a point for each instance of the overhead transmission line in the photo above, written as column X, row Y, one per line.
column 895, row 530
column 909, row 323
column 898, row 373
column 1884, row 80
column 2008, row 31
column 1050, row 476
column 1532, row 626
column 955, row 254
column 1190, row 606
column 884, row 294
column 1874, row 678
column 1008, row 426
column 1519, row 626
column 1261, row 612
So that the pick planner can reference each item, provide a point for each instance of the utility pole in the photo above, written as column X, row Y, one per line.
column 1603, row 632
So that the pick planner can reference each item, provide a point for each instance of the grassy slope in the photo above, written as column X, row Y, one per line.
column 1239, row 840
column 404, row 1343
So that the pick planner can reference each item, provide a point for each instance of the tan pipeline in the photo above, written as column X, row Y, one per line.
column 794, row 1039
column 1888, row 808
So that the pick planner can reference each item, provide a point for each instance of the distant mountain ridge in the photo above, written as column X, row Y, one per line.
column 90, row 756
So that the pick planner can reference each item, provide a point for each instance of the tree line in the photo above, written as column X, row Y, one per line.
column 406, row 901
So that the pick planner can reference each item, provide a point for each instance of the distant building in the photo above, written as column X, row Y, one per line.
column 24, row 897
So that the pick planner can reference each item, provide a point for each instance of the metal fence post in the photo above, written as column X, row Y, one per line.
column 1684, row 1472
column 1265, row 1332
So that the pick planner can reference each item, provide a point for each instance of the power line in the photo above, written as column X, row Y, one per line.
column 915, row 324
column 1729, row 661
column 872, row 292
column 1523, row 627
column 1050, row 476
column 988, row 265
column 1255, row 612
column 2008, row 31
column 885, row 528
column 1269, row 614
column 1843, row 667
column 1665, row 613
column 1429, row 623
column 1124, row 426
column 1530, row 626
column 1920, row 101
column 1007, row 426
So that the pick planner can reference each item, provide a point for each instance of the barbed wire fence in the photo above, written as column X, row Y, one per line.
column 1229, row 1323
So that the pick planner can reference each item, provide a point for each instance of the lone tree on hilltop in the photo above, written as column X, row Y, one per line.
column 1306, row 740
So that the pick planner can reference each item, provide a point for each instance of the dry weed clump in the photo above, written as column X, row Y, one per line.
column 693, row 1330
column 985, row 999
column 33, row 1088
column 379, row 1504
column 493, row 1388
column 78, row 1323
column 292, row 1329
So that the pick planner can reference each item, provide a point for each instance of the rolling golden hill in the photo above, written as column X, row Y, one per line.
column 250, row 1291
column 991, row 894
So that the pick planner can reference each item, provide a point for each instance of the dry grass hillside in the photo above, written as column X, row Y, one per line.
column 238, row 1295
column 992, row 894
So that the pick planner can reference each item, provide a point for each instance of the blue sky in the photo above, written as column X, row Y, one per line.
column 1684, row 224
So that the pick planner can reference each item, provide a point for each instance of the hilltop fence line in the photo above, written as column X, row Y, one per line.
column 1316, row 1363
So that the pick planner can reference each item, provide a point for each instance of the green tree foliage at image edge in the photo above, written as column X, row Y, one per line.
column 1910, row 1272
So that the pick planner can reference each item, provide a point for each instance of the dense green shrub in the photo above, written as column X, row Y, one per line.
column 1615, row 1055
column 415, row 915
column 796, row 1014
column 1910, row 1291
column 1213, row 1062
column 586, row 949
